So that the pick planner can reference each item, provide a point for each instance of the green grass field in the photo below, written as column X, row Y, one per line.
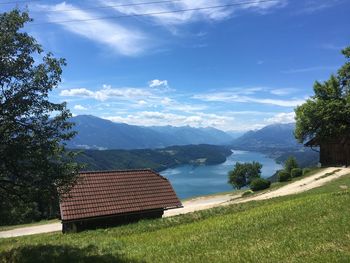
column 309, row 227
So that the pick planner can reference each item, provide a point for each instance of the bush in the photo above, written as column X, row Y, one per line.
column 283, row 176
column 296, row 172
column 306, row 171
column 259, row 184
column 248, row 192
column 290, row 164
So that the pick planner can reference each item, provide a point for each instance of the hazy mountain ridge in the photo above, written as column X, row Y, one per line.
column 278, row 142
column 276, row 136
column 97, row 133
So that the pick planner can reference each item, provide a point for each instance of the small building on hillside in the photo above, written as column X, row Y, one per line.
column 110, row 198
column 334, row 152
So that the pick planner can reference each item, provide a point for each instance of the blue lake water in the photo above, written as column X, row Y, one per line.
column 189, row 180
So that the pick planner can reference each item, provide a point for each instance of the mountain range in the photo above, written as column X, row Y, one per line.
column 274, row 136
column 97, row 133
column 276, row 140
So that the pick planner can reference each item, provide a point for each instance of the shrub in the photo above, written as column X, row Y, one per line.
column 306, row 171
column 248, row 192
column 290, row 164
column 259, row 184
column 296, row 172
column 283, row 176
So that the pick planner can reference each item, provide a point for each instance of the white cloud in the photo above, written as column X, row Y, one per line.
column 201, row 14
column 230, row 97
column 142, row 102
column 282, row 118
column 312, row 6
column 156, row 83
column 167, row 101
column 309, row 69
column 82, row 92
column 282, row 92
column 79, row 107
column 106, row 93
column 125, row 41
column 330, row 46
column 156, row 118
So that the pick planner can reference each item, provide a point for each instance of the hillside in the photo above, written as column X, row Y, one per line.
column 97, row 133
column 189, row 135
column 272, row 136
column 156, row 159
column 314, row 224
column 277, row 141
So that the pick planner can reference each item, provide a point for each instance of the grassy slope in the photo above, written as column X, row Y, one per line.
column 274, row 186
column 309, row 227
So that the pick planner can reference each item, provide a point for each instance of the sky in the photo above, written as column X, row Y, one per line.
column 239, row 66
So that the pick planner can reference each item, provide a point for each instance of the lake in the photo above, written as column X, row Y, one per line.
column 190, row 180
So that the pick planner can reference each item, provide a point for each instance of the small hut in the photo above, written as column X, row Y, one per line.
column 110, row 198
column 333, row 152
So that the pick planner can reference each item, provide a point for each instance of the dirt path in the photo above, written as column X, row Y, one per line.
column 31, row 230
column 201, row 203
column 207, row 202
column 301, row 185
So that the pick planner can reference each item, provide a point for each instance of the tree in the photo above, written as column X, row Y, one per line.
column 326, row 114
column 34, row 162
column 243, row 173
column 290, row 164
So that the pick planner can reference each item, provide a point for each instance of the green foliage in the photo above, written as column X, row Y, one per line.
column 243, row 173
column 34, row 163
column 326, row 114
column 306, row 158
column 290, row 164
column 296, row 172
column 283, row 176
column 258, row 184
column 306, row 171
column 206, row 236
column 247, row 193
column 156, row 159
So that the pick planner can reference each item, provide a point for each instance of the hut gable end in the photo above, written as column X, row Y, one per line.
column 334, row 151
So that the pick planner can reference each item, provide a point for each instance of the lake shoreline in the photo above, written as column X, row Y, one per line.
column 200, row 180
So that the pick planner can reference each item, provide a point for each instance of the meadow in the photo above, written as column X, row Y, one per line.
column 310, row 227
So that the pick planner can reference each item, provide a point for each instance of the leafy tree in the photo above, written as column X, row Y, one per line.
column 326, row 114
column 34, row 162
column 290, row 164
column 244, row 173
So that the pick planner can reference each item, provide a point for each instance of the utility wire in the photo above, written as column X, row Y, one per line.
column 18, row 2
column 111, row 6
column 155, row 13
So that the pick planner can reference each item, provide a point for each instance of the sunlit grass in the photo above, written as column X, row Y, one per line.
column 310, row 227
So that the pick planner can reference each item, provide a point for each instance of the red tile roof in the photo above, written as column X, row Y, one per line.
column 117, row 192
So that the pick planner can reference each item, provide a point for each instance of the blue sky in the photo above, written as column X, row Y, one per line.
column 233, row 68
